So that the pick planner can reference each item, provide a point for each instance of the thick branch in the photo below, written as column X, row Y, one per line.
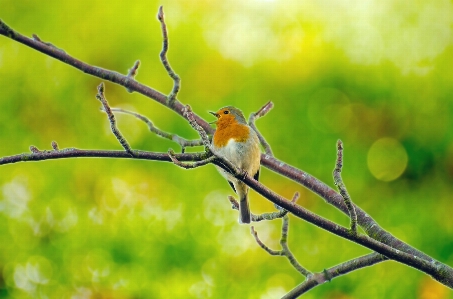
column 437, row 270
column 125, row 81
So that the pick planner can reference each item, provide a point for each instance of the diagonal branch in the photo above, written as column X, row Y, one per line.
column 100, row 96
column 262, row 112
column 437, row 270
column 101, row 73
column 370, row 226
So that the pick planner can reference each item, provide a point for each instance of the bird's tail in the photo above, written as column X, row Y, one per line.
column 244, row 210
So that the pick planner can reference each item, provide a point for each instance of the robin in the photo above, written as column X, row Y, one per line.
column 239, row 144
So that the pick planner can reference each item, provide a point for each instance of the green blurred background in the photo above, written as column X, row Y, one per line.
column 376, row 74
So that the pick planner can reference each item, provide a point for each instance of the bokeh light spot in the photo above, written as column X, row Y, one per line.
column 387, row 159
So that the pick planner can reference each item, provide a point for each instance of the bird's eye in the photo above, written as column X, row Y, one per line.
column 226, row 112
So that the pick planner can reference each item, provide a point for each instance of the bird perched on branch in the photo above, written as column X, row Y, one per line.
column 239, row 144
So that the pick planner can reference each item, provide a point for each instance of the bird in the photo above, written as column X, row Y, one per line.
column 238, row 143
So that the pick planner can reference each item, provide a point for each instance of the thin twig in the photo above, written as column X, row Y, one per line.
column 100, row 96
column 163, row 58
column 263, row 111
column 132, row 72
column 287, row 252
column 334, row 272
column 173, row 137
column 54, row 145
column 175, row 160
column 260, row 217
column 285, row 248
column 265, row 216
column 188, row 113
column 342, row 188
column 262, row 245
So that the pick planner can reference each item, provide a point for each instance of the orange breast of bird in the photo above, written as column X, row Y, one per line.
column 230, row 129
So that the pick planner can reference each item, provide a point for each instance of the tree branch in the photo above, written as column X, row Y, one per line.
column 100, row 96
column 183, row 142
column 262, row 112
column 342, row 188
column 334, row 272
column 79, row 153
column 163, row 58
column 285, row 248
column 98, row 72
column 382, row 242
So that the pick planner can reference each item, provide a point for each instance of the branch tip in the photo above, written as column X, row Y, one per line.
column 163, row 58
column 132, row 72
column 160, row 13
column 295, row 197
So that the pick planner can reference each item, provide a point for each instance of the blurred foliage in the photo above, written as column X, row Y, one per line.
column 376, row 74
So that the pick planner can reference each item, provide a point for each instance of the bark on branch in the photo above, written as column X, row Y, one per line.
column 385, row 245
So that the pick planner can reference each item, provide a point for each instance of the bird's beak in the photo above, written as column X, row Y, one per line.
column 216, row 115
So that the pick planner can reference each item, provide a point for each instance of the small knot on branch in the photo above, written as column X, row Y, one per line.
column 54, row 146
column 34, row 149
column 132, row 72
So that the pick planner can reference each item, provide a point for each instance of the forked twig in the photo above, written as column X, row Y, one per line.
column 285, row 248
